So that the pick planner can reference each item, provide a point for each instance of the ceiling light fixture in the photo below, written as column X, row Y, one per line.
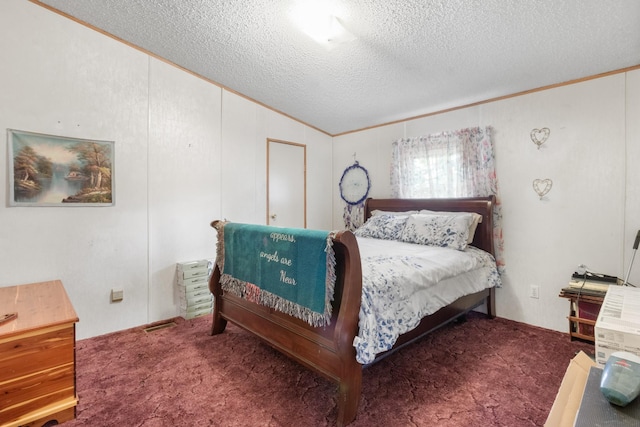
column 316, row 19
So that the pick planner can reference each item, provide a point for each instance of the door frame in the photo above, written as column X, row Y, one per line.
column 304, row 201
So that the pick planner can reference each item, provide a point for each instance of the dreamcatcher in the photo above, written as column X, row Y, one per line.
column 354, row 188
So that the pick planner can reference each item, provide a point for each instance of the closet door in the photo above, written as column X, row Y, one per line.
column 286, row 184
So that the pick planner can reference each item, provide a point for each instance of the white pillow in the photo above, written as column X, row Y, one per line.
column 387, row 227
column 477, row 218
column 451, row 231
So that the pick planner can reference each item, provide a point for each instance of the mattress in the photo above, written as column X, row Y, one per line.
column 404, row 282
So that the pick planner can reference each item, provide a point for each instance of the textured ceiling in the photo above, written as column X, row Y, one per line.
column 407, row 58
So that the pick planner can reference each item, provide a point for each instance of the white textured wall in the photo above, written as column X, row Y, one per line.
column 184, row 174
column 188, row 152
column 247, row 126
column 60, row 78
column 590, row 216
column 171, row 132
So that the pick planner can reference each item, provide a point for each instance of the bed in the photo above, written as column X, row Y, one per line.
column 329, row 350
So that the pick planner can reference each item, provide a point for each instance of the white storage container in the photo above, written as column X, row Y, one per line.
column 192, row 281
column 618, row 324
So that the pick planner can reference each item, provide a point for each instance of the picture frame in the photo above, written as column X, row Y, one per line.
column 51, row 170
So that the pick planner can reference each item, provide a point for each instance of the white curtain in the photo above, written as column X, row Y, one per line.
column 448, row 164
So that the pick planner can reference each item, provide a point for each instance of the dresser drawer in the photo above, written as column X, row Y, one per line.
column 25, row 395
column 36, row 351
column 36, row 370
column 53, row 416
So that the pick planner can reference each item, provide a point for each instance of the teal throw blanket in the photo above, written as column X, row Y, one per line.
column 291, row 270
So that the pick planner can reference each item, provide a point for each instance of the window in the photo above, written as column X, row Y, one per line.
column 448, row 164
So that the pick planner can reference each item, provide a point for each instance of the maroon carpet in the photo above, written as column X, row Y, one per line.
column 481, row 372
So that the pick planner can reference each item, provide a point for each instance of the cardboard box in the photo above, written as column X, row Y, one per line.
column 618, row 324
column 198, row 272
column 193, row 265
column 565, row 407
column 188, row 270
column 192, row 281
column 194, row 314
column 202, row 284
column 192, row 300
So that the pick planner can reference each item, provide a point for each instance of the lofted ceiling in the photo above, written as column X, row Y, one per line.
column 402, row 59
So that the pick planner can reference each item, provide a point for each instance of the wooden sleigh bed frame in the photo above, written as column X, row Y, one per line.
column 329, row 350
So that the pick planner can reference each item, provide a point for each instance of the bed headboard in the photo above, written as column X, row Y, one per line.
column 483, row 238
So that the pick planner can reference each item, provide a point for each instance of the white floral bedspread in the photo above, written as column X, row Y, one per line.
column 417, row 280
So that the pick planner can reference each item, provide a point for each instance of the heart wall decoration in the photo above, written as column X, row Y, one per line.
column 540, row 136
column 542, row 186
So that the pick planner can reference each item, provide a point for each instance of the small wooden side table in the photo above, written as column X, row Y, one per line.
column 583, row 312
column 37, row 355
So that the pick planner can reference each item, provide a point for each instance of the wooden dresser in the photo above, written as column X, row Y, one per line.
column 37, row 355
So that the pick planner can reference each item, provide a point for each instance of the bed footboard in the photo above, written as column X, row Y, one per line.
column 327, row 350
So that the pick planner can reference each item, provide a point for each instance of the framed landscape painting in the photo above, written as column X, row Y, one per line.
column 49, row 170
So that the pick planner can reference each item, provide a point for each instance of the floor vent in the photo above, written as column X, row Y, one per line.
column 161, row 326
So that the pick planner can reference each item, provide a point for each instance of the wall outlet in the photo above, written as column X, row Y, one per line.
column 117, row 295
column 534, row 291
